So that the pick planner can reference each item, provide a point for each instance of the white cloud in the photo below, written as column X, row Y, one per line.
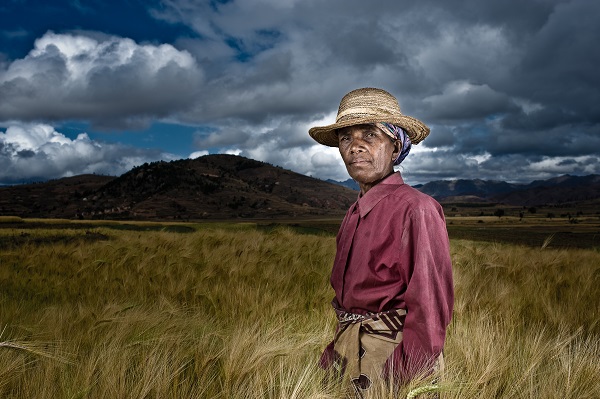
column 106, row 79
column 552, row 166
column 325, row 159
column 315, row 160
column 197, row 154
column 38, row 152
column 280, row 141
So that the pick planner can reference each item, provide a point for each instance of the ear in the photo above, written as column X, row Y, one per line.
column 397, row 149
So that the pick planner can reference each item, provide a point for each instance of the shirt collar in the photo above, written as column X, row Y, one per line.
column 378, row 192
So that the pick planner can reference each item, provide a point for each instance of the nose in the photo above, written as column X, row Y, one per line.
column 357, row 145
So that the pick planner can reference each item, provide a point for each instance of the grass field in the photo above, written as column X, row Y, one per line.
column 144, row 310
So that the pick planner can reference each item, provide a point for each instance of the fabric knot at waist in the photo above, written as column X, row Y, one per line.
column 363, row 343
column 388, row 323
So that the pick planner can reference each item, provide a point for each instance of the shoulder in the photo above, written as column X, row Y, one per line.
column 414, row 200
column 394, row 197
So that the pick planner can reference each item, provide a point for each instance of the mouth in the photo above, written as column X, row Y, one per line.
column 358, row 161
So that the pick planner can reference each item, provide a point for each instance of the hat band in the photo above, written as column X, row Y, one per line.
column 359, row 111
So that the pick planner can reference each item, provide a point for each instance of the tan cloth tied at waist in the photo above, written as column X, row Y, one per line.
column 364, row 343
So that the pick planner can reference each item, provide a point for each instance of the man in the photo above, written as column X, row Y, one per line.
column 392, row 273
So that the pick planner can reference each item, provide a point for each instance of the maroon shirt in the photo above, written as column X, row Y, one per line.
column 393, row 252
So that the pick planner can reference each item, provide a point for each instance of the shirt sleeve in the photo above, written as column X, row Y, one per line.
column 429, row 295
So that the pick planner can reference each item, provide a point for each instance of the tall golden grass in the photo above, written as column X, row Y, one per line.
column 238, row 313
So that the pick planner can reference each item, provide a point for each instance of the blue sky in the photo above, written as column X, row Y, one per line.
column 509, row 89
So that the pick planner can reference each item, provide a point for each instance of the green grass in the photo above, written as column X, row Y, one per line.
column 235, row 311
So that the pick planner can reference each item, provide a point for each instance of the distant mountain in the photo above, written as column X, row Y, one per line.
column 350, row 183
column 478, row 188
column 558, row 190
column 229, row 186
column 209, row 187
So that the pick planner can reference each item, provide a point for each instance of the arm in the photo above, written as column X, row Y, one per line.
column 429, row 295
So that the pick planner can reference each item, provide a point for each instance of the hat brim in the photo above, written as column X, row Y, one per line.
column 327, row 135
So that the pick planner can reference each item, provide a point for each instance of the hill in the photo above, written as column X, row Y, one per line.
column 484, row 189
column 350, row 183
column 55, row 198
column 559, row 190
column 209, row 187
column 564, row 189
column 229, row 186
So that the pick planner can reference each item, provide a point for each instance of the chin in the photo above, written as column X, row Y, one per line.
column 363, row 180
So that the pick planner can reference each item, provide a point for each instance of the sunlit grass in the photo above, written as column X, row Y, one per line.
column 232, row 312
column 11, row 219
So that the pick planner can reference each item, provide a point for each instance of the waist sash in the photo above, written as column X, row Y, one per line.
column 363, row 343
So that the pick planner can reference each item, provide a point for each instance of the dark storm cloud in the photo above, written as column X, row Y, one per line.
column 440, row 136
column 225, row 137
column 464, row 101
column 558, row 70
column 25, row 154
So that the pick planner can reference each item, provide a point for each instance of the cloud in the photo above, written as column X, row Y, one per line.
column 283, row 142
column 109, row 80
column 507, row 89
column 317, row 160
column 12, row 34
column 36, row 152
column 197, row 154
column 428, row 165
column 463, row 100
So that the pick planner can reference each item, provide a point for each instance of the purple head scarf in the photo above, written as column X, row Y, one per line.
column 396, row 133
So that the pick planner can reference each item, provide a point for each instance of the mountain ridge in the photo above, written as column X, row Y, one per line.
column 554, row 191
column 228, row 187
column 209, row 187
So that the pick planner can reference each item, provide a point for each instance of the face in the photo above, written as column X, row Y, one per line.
column 368, row 153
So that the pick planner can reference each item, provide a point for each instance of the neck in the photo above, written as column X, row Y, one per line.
column 364, row 187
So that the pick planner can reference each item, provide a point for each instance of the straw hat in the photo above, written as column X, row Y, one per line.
column 369, row 105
